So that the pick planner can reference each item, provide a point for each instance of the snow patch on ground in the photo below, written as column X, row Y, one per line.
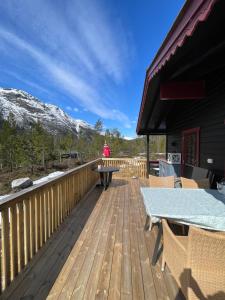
column 36, row 182
column 46, row 178
column 3, row 197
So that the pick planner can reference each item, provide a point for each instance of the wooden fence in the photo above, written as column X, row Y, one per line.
column 128, row 166
column 29, row 218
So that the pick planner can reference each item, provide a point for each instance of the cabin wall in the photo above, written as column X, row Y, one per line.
column 209, row 115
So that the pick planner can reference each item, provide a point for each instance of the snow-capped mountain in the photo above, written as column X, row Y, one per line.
column 28, row 109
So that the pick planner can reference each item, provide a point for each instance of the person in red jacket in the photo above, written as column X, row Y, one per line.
column 106, row 151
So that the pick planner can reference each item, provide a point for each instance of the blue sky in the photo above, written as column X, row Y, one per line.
column 88, row 57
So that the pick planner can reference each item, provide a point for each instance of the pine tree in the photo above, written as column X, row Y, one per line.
column 9, row 143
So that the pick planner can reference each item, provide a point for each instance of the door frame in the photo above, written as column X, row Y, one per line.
column 195, row 130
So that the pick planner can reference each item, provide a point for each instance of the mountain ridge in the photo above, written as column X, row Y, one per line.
column 28, row 109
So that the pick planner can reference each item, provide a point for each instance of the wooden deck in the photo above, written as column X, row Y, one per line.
column 101, row 251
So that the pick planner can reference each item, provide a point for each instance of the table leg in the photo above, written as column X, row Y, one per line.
column 105, row 180
column 110, row 177
column 101, row 178
column 157, row 244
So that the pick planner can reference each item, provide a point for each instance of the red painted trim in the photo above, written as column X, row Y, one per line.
column 144, row 96
column 183, row 147
column 193, row 12
column 182, row 90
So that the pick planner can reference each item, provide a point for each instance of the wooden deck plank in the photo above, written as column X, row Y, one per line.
column 137, row 279
column 148, row 282
column 126, row 276
column 50, row 266
column 92, row 283
column 57, row 288
column 165, row 285
column 96, row 246
column 101, row 251
column 105, row 273
column 150, row 237
column 115, row 279
column 73, row 276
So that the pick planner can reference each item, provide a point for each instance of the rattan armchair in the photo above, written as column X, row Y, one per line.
column 161, row 182
column 196, row 261
column 195, row 184
column 158, row 182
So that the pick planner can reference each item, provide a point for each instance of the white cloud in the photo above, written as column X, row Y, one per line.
column 79, row 53
column 129, row 138
column 75, row 109
column 101, row 39
column 69, row 108
column 32, row 84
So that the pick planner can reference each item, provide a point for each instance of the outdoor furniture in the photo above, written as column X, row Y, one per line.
column 195, row 184
column 105, row 174
column 164, row 182
column 156, row 171
column 204, row 208
column 197, row 261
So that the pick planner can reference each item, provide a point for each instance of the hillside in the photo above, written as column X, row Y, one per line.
column 27, row 110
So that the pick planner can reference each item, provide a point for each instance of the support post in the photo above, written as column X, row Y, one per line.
column 147, row 161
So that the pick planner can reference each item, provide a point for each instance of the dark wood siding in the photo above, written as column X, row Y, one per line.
column 209, row 115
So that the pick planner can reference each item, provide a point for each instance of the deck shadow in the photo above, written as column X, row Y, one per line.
column 118, row 182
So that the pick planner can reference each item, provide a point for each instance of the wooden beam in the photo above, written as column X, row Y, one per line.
column 175, row 90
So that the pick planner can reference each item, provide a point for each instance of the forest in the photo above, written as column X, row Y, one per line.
column 35, row 152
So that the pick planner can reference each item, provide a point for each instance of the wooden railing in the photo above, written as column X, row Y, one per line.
column 128, row 166
column 29, row 218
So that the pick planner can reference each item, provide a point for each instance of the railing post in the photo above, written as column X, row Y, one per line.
column 147, row 160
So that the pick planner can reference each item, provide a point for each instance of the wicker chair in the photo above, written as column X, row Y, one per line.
column 195, row 184
column 196, row 261
column 158, row 182
column 161, row 182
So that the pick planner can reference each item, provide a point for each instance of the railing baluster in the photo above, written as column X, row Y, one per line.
column 41, row 218
column 45, row 204
column 63, row 199
column 26, row 231
column 20, row 236
column 60, row 202
column 37, row 222
column 53, row 208
column 49, row 212
column 5, row 249
column 32, row 227
column 13, row 242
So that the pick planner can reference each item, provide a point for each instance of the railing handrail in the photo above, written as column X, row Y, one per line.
column 126, row 158
column 19, row 196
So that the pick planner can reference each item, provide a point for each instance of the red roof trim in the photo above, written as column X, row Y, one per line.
column 193, row 12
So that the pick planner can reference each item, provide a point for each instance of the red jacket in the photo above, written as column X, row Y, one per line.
column 106, row 151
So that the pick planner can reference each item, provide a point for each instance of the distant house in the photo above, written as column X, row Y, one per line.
column 73, row 155
column 184, row 90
